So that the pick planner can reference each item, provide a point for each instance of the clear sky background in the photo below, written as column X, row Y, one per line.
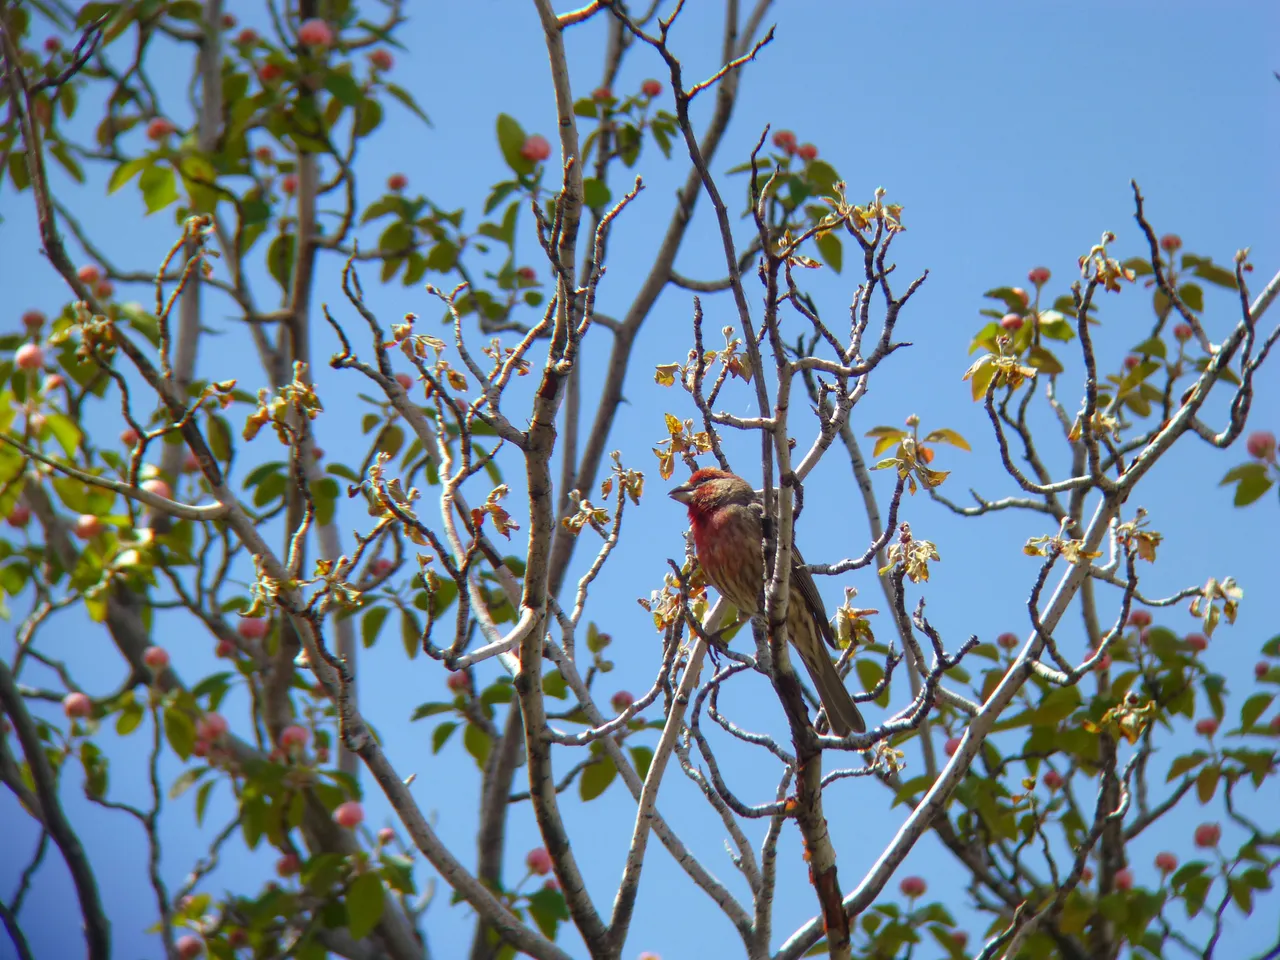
column 1009, row 132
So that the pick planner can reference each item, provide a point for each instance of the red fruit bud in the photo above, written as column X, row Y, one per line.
column 159, row 128
column 89, row 274
column 1053, row 780
column 104, row 289
column 315, row 33
column 951, row 746
column 294, row 735
column 1260, row 669
column 349, row 814
column 1007, row 640
column 1182, row 332
column 959, row 938
column 1086, row 874
column 33, row 319
column 158, row 487
column 1023, row 296
column 247, row 36
column 405, row 381
column 1011, row 322
column 228, row 21
column 225, row 650
column 397, row 182
column 785, row 140
column 269, row 73
column 807, row 151
column 621, row 700
column 211, row 727
column 288, row 865
column 52, row 382
column 1170, row 242
column 382, row 566
column 651, row 88
column 322, row 755
column 1208, row 835
column 87, row 526
column 600, row 94
column 1139, row 618
column 19, row 516
column 157, row 658
column 189, row 947
column 386, row 835
column 1261, row 444
column 52, row 44
column 1206, row 726
column 264, row 154
column 1124, row 879
column 1274, row 725
column 1197, row 641
column 913, row 887
column 1130, row 362
column 252, row 628
column 1166, row 862
column 458, row 681
column 28, row 357
column 1039, row 276
column 77, row 705
column 289, row 184
column 527, row 274
column 382, row 59
column 535, row 148
column 237, row 937
column 129, row 437
column 539, row 861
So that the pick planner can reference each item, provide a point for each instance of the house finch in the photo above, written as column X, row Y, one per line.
column 727, row 532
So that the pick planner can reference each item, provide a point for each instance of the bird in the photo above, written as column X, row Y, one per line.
column 726, row 517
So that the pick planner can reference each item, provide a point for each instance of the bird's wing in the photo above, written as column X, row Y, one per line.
column 802, row 579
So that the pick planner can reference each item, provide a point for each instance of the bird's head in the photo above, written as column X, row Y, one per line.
column 710, row 489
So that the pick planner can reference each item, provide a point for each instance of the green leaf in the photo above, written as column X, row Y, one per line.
column 596, row 778
column 410, row 632
column 1251, row 489
column 202, row 800
column 944, row 435
column 179, row 731
column 1207, row 783
column 440, row 735
column 1255, row 707
column 159, row 187
column 511, row 138
column 425, row 710
column 129, row 719
column 595, row 194
column 126, row 172
column 1184, row 764
column 280, row 259
column 371, row 623
column 478, row 744
column 65, row 432
column 187, row 780
column 832, row 251
column 822, row 176
column 1192, row 296
column 403, row 96
column 1151, row 347
column 548, row 909
column 343, row 87
column 364, row 905
column 553, row 685
column 1044, row 361
column 641, row 757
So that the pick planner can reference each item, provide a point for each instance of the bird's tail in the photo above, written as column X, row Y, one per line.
column 842, row 712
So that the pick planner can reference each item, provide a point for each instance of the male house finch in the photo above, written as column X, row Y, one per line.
column 726, row 518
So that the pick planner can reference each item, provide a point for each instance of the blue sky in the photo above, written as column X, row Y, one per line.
column 1009, row 132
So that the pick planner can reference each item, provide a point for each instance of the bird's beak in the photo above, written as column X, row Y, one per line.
column 682, row 493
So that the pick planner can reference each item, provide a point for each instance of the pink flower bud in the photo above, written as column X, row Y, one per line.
column 539, row 861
